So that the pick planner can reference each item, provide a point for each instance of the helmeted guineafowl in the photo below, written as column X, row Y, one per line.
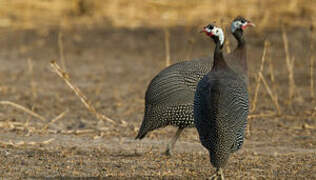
column 220, row 107
column 169, row 98
column 238, row 58
column 170, row 95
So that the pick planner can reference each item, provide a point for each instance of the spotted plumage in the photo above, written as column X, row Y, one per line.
column 221, row 110
column 170, row 95
column 221, row 104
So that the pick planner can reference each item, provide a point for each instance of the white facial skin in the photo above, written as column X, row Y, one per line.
column 216, row 31
column 238, row 25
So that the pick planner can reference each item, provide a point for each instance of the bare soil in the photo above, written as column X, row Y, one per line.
column 113, row 68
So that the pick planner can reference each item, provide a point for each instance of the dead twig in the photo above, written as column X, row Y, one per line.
column 77, row 91
column 312, row 77
column 32, row 83
column 273, row 97
column 189, row 48
column 61, row 49
column 262, row 115
column 290, row 67
column 23, row 109
column 255, row 98
column 21, row 143
column 312, row 66
column 272, row 78
column 10, row 125
column 271, row 69
column 82, row 131
column 61, row 115
column 167, row 46
column 227, row 41
column 228, row 50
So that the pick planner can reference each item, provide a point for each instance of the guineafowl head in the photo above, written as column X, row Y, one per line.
column 240, row 23
column 215, row 33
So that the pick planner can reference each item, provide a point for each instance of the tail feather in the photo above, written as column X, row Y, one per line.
column 143, row 130
column 146, row 123
column 140, row 135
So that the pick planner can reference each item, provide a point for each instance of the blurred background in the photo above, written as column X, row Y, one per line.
column 111, row 49
column 152, row 13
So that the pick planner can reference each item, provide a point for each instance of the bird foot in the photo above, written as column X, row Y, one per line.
column 219, row 175
column 167, row 152
column 215, row 177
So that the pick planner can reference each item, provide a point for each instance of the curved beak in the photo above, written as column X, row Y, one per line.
column 206, row 32
column 203, row 31
column 250, row 24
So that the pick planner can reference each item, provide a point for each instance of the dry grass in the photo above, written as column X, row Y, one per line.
column 260, row 78
column 167, row 46
column 32, row 82
column 23, row 109
column 227, row 41
column 62, row 74
column 290, row 67
column 270, row 89
column 312, row 66
column 255, row 98
column 271, row 71
column 61, row 49
column 60, row 116
column 23, row 143
column 273, row 96
column 152, row 13
column 269, row 82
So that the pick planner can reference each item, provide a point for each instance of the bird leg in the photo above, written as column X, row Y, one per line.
column 218, row 175
column 171, row 144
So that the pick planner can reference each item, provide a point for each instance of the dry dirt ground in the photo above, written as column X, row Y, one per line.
column 113, row 68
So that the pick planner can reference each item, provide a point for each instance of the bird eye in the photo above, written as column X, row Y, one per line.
column 210, row 26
